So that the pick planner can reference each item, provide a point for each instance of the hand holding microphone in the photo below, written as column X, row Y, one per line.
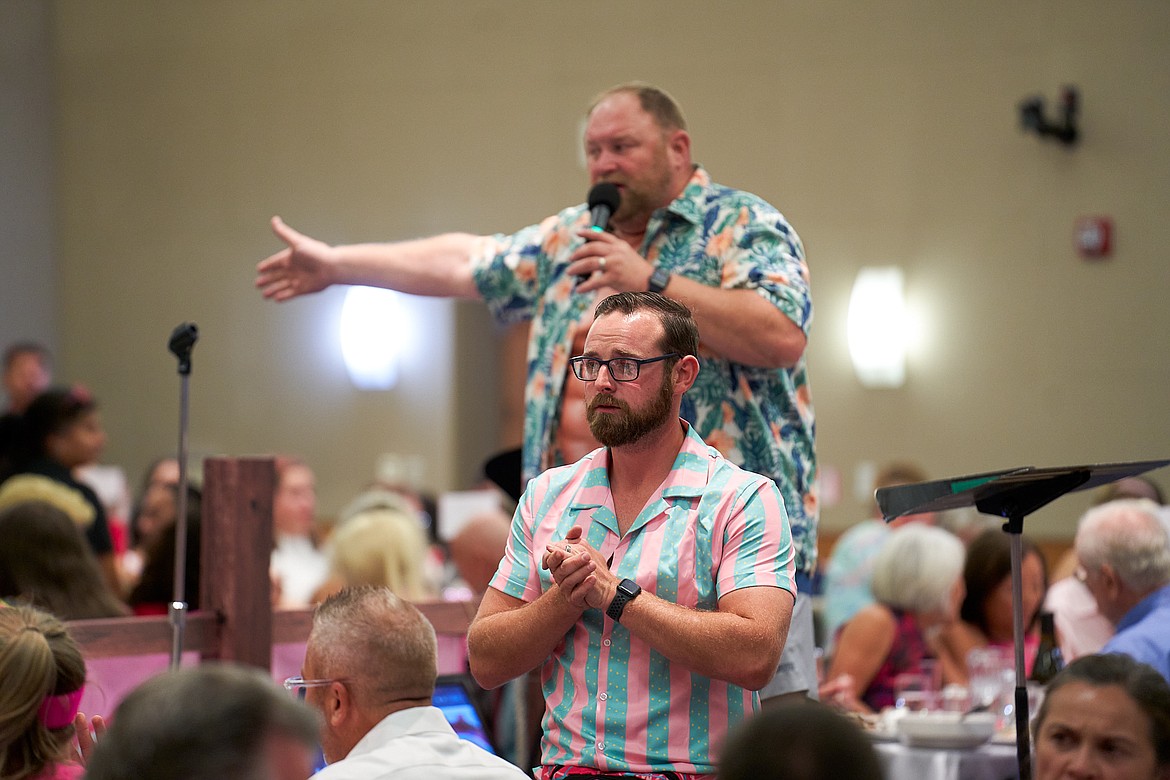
column 603, row 200
column 605, row 260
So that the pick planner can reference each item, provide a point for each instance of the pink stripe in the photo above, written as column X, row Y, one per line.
column 718, row 711
column 687, row 583
column 680, row 714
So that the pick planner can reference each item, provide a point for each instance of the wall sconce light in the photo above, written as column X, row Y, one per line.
column 877, row 327
column 373, row 329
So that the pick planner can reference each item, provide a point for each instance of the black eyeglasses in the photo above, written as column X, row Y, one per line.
column 622, row 369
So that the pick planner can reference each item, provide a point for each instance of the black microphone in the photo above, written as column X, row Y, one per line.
column 604, row 199
column 181, row 343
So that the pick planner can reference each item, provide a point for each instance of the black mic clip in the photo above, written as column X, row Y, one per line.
column 182, row 341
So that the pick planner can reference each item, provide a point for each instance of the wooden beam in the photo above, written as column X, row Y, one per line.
column 236, row 549
column 129, row 636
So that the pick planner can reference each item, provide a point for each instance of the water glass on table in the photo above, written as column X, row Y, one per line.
column 990, row 672
column 918, row 690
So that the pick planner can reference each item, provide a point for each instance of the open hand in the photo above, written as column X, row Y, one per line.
column 301, row 268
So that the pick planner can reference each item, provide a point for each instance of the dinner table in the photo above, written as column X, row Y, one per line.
column 995, row 760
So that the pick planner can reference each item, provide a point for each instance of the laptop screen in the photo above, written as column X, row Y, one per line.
column 453, row 698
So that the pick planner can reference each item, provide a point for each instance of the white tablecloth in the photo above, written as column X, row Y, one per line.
column 993, row 761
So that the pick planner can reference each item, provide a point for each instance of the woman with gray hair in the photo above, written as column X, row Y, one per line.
column 918, row 585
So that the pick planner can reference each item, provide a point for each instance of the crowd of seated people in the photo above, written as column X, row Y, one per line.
column 912, row 597
column 1121, row 565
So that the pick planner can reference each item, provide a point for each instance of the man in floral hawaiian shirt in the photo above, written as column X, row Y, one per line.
column 726, row 254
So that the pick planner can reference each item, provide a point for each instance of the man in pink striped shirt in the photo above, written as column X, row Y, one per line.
column 652, row 581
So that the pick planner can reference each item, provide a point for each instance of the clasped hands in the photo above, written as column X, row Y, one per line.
column 580, row 571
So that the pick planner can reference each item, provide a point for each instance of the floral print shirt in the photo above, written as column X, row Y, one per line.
column 759, row 418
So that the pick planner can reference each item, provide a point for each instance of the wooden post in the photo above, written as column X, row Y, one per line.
column 236, row 549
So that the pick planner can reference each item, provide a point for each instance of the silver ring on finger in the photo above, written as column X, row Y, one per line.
column 601, row 264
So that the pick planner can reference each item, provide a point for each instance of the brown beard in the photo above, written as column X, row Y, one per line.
column 617, row 429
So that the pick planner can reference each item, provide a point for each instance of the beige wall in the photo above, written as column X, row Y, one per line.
column 887, row 132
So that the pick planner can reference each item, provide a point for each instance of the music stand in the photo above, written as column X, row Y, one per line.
column 1012, row 494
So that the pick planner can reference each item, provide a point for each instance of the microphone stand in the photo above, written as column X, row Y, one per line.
column 182, row 341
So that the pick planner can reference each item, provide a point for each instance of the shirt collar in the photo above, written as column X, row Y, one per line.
column 691, row 202
column 689, row 475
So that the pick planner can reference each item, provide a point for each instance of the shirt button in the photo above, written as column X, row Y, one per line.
column 606, row 642
column 601, row 746
column 603, row 696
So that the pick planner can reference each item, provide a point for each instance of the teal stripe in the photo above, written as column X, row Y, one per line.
column 700, row 721
column 617, row 688
column 960, row 485
column 658, row 709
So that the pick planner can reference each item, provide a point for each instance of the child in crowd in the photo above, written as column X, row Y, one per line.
column 42, row 677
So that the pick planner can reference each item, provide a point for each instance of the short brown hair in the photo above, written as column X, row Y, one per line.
column 654, row 101
column 679, row 332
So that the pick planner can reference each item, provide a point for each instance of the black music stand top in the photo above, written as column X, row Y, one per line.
column 1012, row 493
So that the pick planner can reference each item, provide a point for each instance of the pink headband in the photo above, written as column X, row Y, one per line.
column 57, row 712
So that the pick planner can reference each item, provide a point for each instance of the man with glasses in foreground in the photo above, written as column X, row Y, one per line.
column 652, row 581
column 370, row 670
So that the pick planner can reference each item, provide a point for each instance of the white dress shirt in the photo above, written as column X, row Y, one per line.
column 418, row 744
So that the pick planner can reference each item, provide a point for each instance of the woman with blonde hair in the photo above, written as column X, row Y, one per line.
column 384, row 545
column 42, row 677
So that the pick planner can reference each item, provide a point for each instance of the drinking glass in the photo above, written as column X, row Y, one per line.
column 912, row 691
column 987, row 674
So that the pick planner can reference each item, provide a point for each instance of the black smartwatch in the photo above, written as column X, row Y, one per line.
column 627, row 591
column 658, row 280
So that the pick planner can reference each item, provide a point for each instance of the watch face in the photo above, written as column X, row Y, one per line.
column 628, row 587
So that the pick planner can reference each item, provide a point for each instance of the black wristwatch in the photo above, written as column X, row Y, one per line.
column 627, row 591
column 658, row 280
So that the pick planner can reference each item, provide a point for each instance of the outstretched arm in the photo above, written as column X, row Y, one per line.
column 436, row 266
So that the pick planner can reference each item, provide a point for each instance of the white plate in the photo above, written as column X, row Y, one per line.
column 946, row 730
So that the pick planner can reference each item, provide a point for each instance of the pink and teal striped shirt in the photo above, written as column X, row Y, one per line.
column 611, row 701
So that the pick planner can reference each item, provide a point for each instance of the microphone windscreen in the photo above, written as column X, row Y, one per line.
column 604, row 194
